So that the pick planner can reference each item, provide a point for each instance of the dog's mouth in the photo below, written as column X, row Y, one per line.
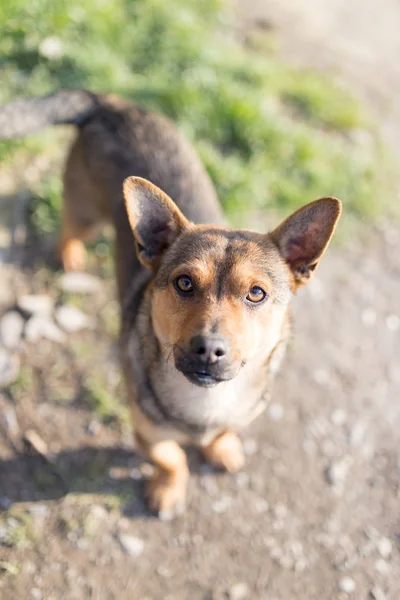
column 205, row 375
column 202, row 378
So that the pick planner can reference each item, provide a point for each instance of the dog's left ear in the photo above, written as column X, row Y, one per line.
column 155, row 219
column 304, row 236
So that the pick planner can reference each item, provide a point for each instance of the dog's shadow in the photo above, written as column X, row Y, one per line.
column 114, row 474
column 109, row 472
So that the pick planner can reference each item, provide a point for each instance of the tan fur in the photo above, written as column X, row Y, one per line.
column 225, row 451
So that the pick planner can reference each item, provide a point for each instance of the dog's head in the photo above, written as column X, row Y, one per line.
column 219, row 295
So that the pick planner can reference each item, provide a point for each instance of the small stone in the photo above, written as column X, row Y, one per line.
column 39, row 327
column 393, row 322
column 9, row 368
column 260, row 505
column 71, row 319
column 147, row 470
column 222, row 505
column 11, row 329
column 276, row 553
column 346, row 585
column 93, row 427
column 338, row 417
column 36, row 304
column 296, row 548
column 368, row 317
column 281, row 510
column 132, row 545
column 36, row 593
column 136, row 474
column 384, row 547
column 11, row 421
column 275, row 411
column 80, row 283
column 377, row 593
column 164, row 571
column 35, row 442
column 321, row 376
column 238, row 591
column 357, row 434
column 117, row 473
column 97, row 511
column 336, row 473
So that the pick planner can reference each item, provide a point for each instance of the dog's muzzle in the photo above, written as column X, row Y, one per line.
column 206, row 362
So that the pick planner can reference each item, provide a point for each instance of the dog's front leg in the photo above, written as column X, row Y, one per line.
column 225, row 451
column 166, row 490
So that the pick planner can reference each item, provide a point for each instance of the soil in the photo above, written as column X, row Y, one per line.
column 315, row 514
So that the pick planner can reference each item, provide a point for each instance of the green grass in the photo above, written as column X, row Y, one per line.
column 270, row 136
column 105, row 402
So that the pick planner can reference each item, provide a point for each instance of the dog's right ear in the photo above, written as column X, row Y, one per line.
column 155, row 219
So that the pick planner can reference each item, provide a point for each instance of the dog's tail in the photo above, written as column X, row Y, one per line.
column 24, row 116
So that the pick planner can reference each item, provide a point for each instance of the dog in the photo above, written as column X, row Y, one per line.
column 205, row 310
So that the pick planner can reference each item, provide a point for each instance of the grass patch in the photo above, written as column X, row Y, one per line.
column 104, row 402
column 270, row 136
column 18, row 528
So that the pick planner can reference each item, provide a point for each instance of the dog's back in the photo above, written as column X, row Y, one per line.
column 115, row 140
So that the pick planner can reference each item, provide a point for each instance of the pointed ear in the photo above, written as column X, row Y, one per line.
column 155, row 219
column 304, row 236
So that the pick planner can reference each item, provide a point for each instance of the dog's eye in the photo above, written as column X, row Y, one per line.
column 184, row 284
column 256, row 295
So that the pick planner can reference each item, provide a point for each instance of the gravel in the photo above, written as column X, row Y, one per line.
column 347, row 585
column 71, row 319
column 40, row 304
column 80, row 283
column 337, row 471
column 11, row 329
column 238, row 591
column 41, row 326
column 275, row 411
column 9, row 368
column 385, row 547
column 131, row 545
column 377, row 593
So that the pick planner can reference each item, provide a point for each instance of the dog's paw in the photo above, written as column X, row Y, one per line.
column 166, row 494
column 226, row 451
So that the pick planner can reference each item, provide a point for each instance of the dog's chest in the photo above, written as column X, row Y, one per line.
column 228, row 404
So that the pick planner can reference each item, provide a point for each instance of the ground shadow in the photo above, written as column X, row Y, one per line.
column 88, row 470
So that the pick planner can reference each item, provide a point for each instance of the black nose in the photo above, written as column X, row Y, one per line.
column 208, row 349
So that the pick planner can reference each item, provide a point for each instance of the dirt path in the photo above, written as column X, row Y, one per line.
column 315, row 515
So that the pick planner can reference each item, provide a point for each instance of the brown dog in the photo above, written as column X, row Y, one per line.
column 204, row 309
